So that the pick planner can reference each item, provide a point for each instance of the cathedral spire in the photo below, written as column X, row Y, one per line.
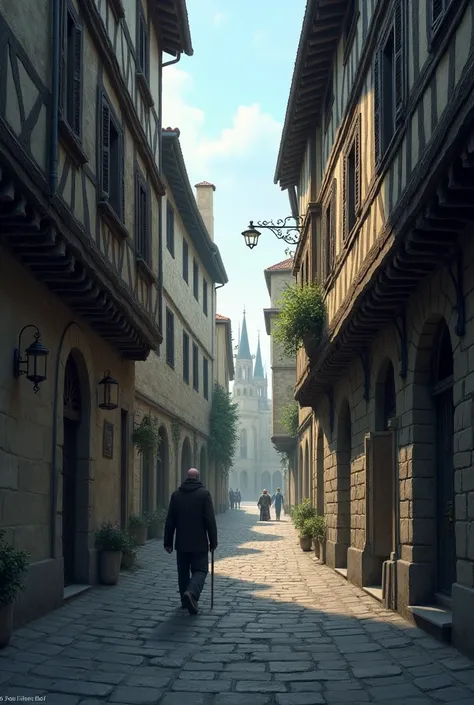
column 258, row 371
column 244, row 347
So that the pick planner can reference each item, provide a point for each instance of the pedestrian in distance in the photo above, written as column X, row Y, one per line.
column 231, row 498
column 278, row 501
column 264, row 503
column 191, row 518
column 238, row 498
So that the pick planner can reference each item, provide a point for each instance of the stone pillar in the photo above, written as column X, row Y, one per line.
column 205, row 203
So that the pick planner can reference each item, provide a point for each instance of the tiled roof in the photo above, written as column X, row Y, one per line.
column 287, row 264
column 205, row 183
column 221, row 318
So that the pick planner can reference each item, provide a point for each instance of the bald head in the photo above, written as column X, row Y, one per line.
column 193, row 474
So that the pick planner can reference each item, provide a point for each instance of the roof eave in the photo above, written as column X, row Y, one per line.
column 175, row 33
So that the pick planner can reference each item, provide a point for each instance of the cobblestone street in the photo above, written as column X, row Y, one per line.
column 284, row 631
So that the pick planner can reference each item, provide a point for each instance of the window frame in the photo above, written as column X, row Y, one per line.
column 195, row 279
column 105, row 169
column 350, row 28
column 195, row 367
column 185, row 255
column 69, row 13
column 142, row 242
column 186, row 365
column 353, row 147
column 170, row 338
column 205, row 377
column 142, row 25
column 329, row 101
column 205, row 295
column 170, row 230
column 438, row 24
column 329, row 233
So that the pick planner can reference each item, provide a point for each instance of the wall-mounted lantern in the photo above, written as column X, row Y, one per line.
column 108, row 392
column 34, row 365
column 288, row 233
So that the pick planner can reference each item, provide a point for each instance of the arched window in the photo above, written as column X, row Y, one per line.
column 243, row 443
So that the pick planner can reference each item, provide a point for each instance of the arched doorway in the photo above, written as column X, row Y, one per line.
column 162, row 469
column 186, row 458
column 266, row 481
column 72, row 413
column 344, row 453
column 203, row 466
column 442, row 390
column 320, row 473
column 277, row 481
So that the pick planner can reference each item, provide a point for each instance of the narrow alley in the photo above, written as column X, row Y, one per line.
column 284, row 631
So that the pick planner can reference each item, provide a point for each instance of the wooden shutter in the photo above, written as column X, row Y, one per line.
column 399, row 60
column 377, row 121
column 77, row 81
column 345, row 200
column 122, row 176
column 324, row 247
column 357, row 166
column 332, row 225
column 105, row 148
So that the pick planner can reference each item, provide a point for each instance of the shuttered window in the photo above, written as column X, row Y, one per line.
column 205, row 377
column 195, row 367
column 170, row 228
column 186, row 357
column 71, row 71
column 204, row 296
column 185, row 261
column 329, row 233
column 328, row 103
column 142, row 218
column 143, row 53
column 438, row 10
column 195, row 280
column 111, row 159
column 169, row 337
column 351, row 182
column 390, row 82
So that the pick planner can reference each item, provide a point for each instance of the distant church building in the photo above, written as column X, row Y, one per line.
column 257, row 464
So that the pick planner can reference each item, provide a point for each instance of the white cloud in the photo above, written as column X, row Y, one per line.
column 251, row 128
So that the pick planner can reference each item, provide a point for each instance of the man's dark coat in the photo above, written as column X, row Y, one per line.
column 191, row 516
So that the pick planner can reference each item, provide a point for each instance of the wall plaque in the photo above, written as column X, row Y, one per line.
column 108, row 440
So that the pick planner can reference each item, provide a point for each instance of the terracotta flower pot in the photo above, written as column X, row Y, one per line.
column 6, row 624
column 139, row 534
column 306, row 542
column 109, row 566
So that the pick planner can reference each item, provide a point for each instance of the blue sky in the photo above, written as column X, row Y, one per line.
column 229, row 101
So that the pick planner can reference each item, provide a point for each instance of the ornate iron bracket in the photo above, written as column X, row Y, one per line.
column 460, row 305
column 402, row 332
column 364, row 358
column 278, row 228
column 330, row 396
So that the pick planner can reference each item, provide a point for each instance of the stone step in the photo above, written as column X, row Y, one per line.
column 342, row 572
column 72, row 591
column 435, row 620
column 374, row 591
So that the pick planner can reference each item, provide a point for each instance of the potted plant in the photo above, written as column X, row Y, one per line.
column 302, row 514
column 110, row 541
column 146, row 436
column 306, row 534
column 319, row 537
column 13, row 565
column 156, row 521
column 129, row 553
column 138, row 527
column 301, row 319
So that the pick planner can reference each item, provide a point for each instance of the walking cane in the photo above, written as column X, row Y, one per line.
column 212, row 580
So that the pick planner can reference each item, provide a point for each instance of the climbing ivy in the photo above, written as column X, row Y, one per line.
column 223, row 435
column 289, row 418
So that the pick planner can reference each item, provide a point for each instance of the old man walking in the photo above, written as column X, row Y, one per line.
column 191, row 516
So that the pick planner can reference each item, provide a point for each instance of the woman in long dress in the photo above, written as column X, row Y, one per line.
column 264, row 504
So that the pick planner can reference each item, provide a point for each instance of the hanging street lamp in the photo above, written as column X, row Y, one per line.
column 108, row 392
column 288, row 233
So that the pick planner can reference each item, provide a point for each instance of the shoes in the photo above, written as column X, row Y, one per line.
column 190, row 602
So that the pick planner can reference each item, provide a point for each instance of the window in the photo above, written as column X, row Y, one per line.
column 329, row 234
column 142, row 230
column 111, row 160
column 389, row 83
column 185, row 261
column 142, row 45
column 438, row 11
column 205, row 377
column 195, row 367
column 170, row 228
column 195, row 280
column 350, row 24
column 186, row 357
column 169, row 337
column 71, row 72
column 351, row 182
column 328, row 103
column 204, row 296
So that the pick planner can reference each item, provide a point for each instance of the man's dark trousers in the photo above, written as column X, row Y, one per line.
column 192, row 572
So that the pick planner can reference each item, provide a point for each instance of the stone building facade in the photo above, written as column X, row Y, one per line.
column 277, row 277
column 223, row 375
column 377, row 152
column 174, row 386
column 257, row 464
column 81, row 188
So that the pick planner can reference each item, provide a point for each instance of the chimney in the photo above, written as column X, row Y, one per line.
column 205, row 202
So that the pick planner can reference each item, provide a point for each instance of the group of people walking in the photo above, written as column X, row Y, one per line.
column 265, row 502
column 235, row 499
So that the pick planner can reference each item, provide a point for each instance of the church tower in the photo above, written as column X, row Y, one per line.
column 244, row 363
column 259, row 376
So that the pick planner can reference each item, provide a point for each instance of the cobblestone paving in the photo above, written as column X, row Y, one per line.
column 284, row 631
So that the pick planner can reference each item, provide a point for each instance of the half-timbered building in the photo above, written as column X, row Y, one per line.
column 80, row 267
column 377, row 154
column 174, row 386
